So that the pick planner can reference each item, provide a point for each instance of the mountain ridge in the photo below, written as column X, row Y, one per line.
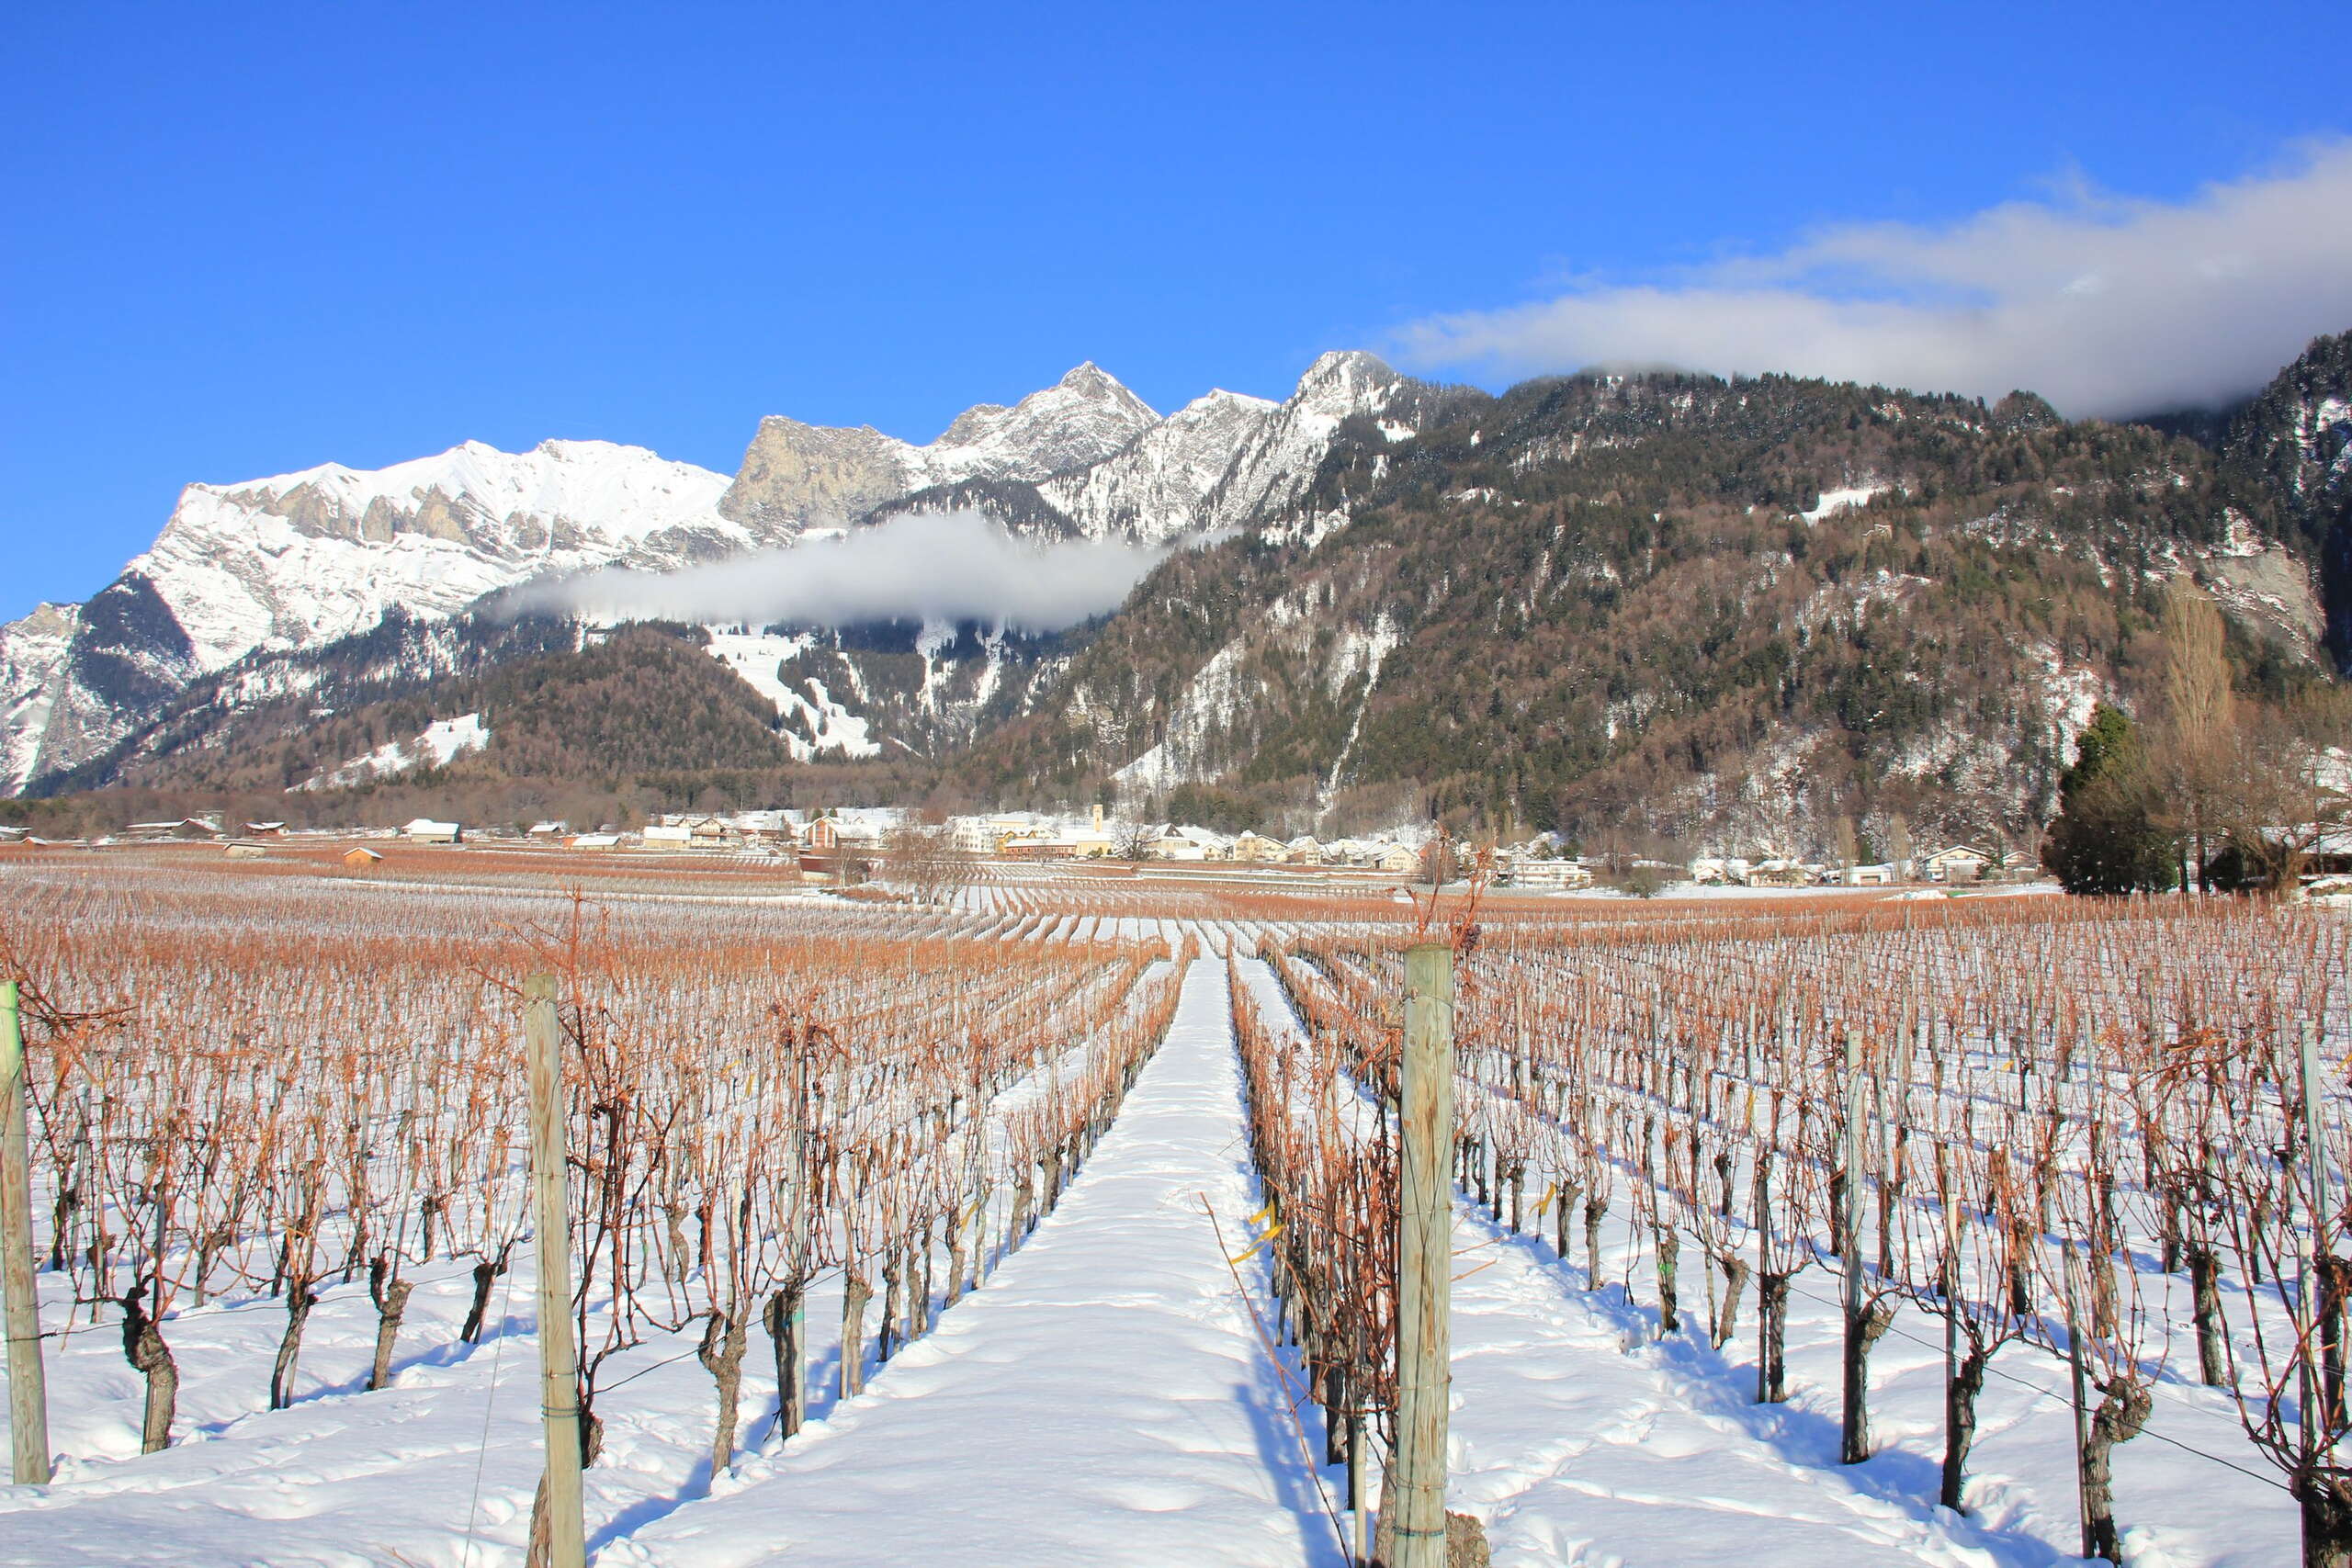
column 1665, row 566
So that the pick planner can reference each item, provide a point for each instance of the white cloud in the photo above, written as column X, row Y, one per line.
column 954, row 566
column 2105, row 304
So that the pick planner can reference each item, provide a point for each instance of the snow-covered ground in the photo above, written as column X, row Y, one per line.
column 1104, row 1399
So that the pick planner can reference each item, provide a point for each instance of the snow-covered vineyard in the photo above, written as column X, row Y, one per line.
column 1059, row 1224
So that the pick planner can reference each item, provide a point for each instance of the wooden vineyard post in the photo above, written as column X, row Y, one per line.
column 2081, row 1404
column 1424, row 1261
column 559, row 1370
column 27, row 1386
column 2318, row 1393
column 1854, row 1445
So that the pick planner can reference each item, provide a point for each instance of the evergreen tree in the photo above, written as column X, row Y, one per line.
column 2108, row 837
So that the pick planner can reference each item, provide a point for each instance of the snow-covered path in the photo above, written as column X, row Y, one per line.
column 1104, row 1399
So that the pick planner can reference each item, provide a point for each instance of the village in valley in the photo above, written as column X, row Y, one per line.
column 859, row 845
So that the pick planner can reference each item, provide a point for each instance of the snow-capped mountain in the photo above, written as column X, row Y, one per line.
column 308, row 557
column 794, row 475
column 274, row 566
column 1157, row 487
column 301, row 560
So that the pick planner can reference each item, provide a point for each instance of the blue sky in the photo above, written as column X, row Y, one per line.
column 245, row 240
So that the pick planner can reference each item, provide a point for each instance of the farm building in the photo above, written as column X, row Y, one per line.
column 361, row 858
column 1870, row 876
column 188, row 828
column 593, row 840
column 424, row 830
column 667, row 836
column 245, row 849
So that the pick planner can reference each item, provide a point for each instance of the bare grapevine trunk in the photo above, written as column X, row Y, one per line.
column 1568, row 1198
column 299, row 1299
column 1772, row 1337
column 2326, row 1516
column 721, row 1353
column 391, row 1295
column 1020, row 1226
column 1863, row 1331
column 1967, row 1380
column 2205, row 1310
column 1735, row 1269
column 1592, row 1212
column 855, row 1294
column 2120, row 1414
column 485, row 1272
column 143, row 1347
column 782, row 1321
column 894, row 1280
column 1669, row 1261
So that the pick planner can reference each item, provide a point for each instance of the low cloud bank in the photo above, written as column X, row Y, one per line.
column 954, row 566
column 2106, row 305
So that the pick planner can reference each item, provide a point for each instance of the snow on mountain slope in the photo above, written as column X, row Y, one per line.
column 815, row 720
column 795, row 474
column 308, row 557
column 32, row 672
column 1278, row 460
column 1081, row 419
column 1153, row 490
column 440, row 743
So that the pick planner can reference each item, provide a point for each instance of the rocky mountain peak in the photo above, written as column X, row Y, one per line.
column 1349, row 378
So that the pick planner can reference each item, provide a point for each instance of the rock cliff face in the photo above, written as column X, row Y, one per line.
column 797, row 475
column 2291, row 448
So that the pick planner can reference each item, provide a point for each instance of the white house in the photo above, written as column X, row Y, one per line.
column 1550, row 874
column 424, row 830
column 668, row 836
column 1870, row 876
column 1960, row 863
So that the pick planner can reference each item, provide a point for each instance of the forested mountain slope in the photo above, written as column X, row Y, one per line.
column 1677, row 606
